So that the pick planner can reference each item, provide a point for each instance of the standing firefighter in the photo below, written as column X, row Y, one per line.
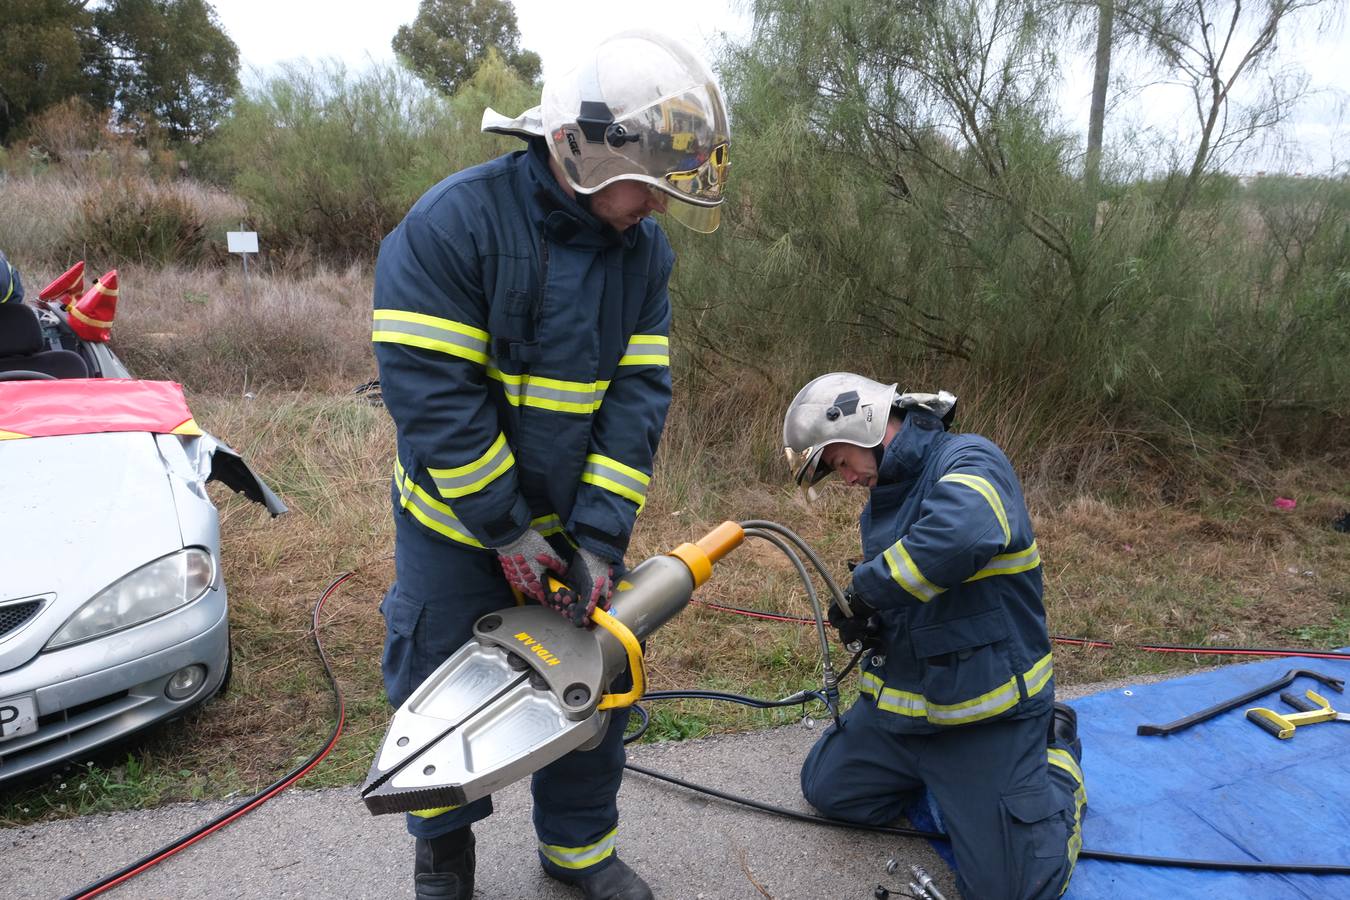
column 521, row 329
column 958, row 695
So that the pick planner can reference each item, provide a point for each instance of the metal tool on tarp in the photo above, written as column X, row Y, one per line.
column 1336, row 684
column 529, row 688
column 1312, row 709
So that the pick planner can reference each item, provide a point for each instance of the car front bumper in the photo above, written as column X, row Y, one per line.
column 102, row 690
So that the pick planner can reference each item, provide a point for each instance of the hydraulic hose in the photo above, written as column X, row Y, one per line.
column 1198, row 649
column 1103, row 855
column 828, row 676
column 760, row 528
column 806, row 550
column 340, row 715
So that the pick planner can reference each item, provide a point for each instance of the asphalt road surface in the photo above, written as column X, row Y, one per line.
column 325, row 844
column 314, row 844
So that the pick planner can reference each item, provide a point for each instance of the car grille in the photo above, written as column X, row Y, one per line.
column 14, row 616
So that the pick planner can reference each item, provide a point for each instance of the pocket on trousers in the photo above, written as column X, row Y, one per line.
column 1036, row 822
column 400, row 616
column 399, row 662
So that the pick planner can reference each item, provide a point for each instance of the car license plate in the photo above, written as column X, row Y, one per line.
column 18, row 715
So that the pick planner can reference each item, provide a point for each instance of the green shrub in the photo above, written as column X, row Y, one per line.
column 136, row 220
column 884, row 220
column 334, row 160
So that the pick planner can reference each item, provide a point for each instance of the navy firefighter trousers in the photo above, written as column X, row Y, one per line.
column 1011, row 803
column 440, row 590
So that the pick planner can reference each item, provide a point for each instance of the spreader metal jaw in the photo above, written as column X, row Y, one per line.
column 521, row 694
column 529, row 688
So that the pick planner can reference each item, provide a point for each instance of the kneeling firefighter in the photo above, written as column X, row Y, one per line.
column 958, row 693
column 521, row 322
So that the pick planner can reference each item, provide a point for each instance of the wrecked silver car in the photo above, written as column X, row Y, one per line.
column 113, row 611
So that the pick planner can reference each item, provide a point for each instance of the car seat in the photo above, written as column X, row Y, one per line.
column 23, row 348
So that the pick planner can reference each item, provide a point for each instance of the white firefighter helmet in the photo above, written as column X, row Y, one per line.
column 836, row 408
column 641, row 107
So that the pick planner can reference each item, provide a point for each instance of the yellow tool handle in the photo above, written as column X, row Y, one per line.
column 635, row 665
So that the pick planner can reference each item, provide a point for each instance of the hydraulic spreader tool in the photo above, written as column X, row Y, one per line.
column 529, row 687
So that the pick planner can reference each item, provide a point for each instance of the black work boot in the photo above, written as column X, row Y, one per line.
column 614, row 882
column 1064, row 729
column 443, row 866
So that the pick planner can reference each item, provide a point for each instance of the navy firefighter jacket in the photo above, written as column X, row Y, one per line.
column 951, row 566
column 524, row 355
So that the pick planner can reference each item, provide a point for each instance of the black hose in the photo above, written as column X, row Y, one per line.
column 1085, row 853
column 758, row 528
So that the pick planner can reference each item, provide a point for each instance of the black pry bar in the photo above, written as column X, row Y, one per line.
column 1335, row 684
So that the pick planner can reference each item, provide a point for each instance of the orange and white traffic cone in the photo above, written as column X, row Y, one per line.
column 66, row 288
column 92, row 315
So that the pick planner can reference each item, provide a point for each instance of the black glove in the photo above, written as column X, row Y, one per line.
column 863, row 628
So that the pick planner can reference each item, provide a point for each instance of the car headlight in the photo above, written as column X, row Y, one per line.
column 152, row 590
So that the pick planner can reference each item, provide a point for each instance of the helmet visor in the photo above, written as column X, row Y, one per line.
column 807, row 466
column 704, row 182
column 681, row 142
column 703, row 219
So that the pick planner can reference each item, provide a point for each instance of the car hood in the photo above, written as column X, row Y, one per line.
column 80, row 512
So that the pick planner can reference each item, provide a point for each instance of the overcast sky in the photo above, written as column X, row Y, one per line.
column 271, row 31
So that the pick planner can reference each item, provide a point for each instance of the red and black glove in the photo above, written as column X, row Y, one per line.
column 591, row 580
column 527, row 562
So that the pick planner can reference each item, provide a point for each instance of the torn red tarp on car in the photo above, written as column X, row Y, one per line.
column 92, row 406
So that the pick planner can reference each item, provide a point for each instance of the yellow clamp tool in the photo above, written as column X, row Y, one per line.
column 1282, row 725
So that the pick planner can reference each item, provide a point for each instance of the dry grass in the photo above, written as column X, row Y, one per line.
column 1139, row 545
column 52, row 220
column 1226, row 570
column 40, row 215
column 219, row 332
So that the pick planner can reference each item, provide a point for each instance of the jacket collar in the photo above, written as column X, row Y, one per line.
column 908, row 450
column 564, row 219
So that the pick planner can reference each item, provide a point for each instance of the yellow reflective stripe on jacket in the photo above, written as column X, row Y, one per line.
column 9, row 291
column 646, row 350
column 1063, row 759
column 550, row 393
column 580, row 857
column 429, row 511
column 986, row 490
column 903, row 703
column 397, row 326
column 1010, row 563
column 547, row 525
column 476, row 475
column 906, row 574
column 439, row 518
column 985, row 706
column 616, row 477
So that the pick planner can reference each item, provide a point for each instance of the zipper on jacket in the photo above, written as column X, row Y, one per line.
column 543, row 281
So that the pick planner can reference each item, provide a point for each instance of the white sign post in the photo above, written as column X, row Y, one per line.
column 243, row 243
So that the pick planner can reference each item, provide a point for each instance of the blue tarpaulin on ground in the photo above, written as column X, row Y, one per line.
column 1223, row 789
